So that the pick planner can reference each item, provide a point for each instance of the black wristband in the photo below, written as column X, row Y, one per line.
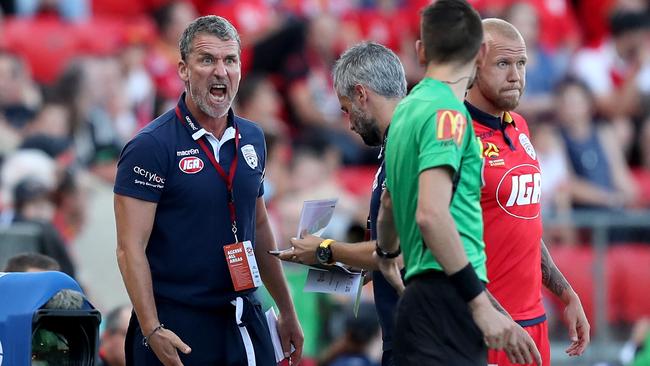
column 381, row 254
column 467, row 283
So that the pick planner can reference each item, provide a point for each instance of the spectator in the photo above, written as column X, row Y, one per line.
column 600, row 176
column 618, row 71
column 543, row 67
column 257, row 100
column 33, row 206
column 21, row 164
column 352, row 347
column 96, row 141
column 31, row 262
column 19, row 102
column 52, row 120
column 111, row 348
column 163, row 59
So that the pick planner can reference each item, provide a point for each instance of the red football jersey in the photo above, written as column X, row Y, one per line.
column 510, row 199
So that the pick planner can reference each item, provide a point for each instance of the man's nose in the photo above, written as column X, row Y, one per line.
column 514, row 74
column 220, row 68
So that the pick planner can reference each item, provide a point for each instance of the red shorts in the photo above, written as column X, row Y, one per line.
column 539, row 333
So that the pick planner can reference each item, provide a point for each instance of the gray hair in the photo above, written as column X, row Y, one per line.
column 372, row 65
column 210, row 24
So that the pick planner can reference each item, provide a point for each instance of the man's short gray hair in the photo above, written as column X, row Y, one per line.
column 209, row 24
column 372, row 65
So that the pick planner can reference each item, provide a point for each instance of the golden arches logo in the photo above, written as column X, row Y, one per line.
column 451, row 125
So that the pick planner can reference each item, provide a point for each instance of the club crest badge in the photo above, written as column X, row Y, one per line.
column 525, row 142
column 250, row 155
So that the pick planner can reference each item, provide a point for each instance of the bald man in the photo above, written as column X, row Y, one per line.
column 518, row 262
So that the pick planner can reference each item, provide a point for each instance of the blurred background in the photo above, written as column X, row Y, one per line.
column 78, row 78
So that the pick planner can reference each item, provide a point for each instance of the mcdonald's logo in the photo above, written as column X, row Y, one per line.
column 450, row 125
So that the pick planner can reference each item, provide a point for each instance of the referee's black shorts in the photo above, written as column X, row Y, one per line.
column 434, row 326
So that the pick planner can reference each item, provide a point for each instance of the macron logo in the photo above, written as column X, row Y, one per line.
column 187, row 152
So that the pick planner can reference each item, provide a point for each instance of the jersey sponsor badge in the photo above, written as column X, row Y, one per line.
column 525, row 142
column 519, row 192
column 249, row 155
column 450, row 125
column 190, row 165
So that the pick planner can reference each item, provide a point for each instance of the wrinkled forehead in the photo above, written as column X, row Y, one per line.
column 504, row 45
column 210, row 43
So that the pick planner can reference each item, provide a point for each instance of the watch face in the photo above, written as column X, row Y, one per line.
column 324, row 255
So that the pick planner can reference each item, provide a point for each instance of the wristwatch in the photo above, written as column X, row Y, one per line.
column 324, row 252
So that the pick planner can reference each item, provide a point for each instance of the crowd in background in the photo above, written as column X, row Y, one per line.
column 78, row 78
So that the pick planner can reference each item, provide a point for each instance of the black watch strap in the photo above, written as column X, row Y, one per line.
column 383, row 254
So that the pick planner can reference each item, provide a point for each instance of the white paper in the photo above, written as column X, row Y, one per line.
column 333, row 282
column 272, row 321
column 315, row 216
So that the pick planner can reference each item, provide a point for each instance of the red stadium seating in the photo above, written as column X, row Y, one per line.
column 632, row 281
column 628, row 276
column 357, row 180
column 46, row 43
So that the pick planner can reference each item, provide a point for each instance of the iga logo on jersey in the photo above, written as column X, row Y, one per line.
column 519, row 192
column 191, row 165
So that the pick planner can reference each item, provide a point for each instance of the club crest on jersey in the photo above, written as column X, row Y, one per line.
column 190, row 165
column 450, row 125
column 525, row 142
column 249, row 155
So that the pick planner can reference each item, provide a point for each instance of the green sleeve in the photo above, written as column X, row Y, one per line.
column 437, row 148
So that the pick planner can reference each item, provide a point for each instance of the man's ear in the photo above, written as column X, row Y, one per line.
column 361, row 94
column 419, row 50
column 183, row 72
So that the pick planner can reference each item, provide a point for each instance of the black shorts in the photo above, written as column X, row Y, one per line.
column 434, row 326
column 213, row 335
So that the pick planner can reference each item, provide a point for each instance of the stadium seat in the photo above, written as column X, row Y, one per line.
column 577, row 265
column 628, row 278
column 357, row 180
column 46, row 43
column 631, row 262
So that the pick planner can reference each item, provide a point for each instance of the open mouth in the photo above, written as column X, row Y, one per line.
column 218, row 92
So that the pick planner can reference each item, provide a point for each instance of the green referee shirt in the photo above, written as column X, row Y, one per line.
column 431, row 128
